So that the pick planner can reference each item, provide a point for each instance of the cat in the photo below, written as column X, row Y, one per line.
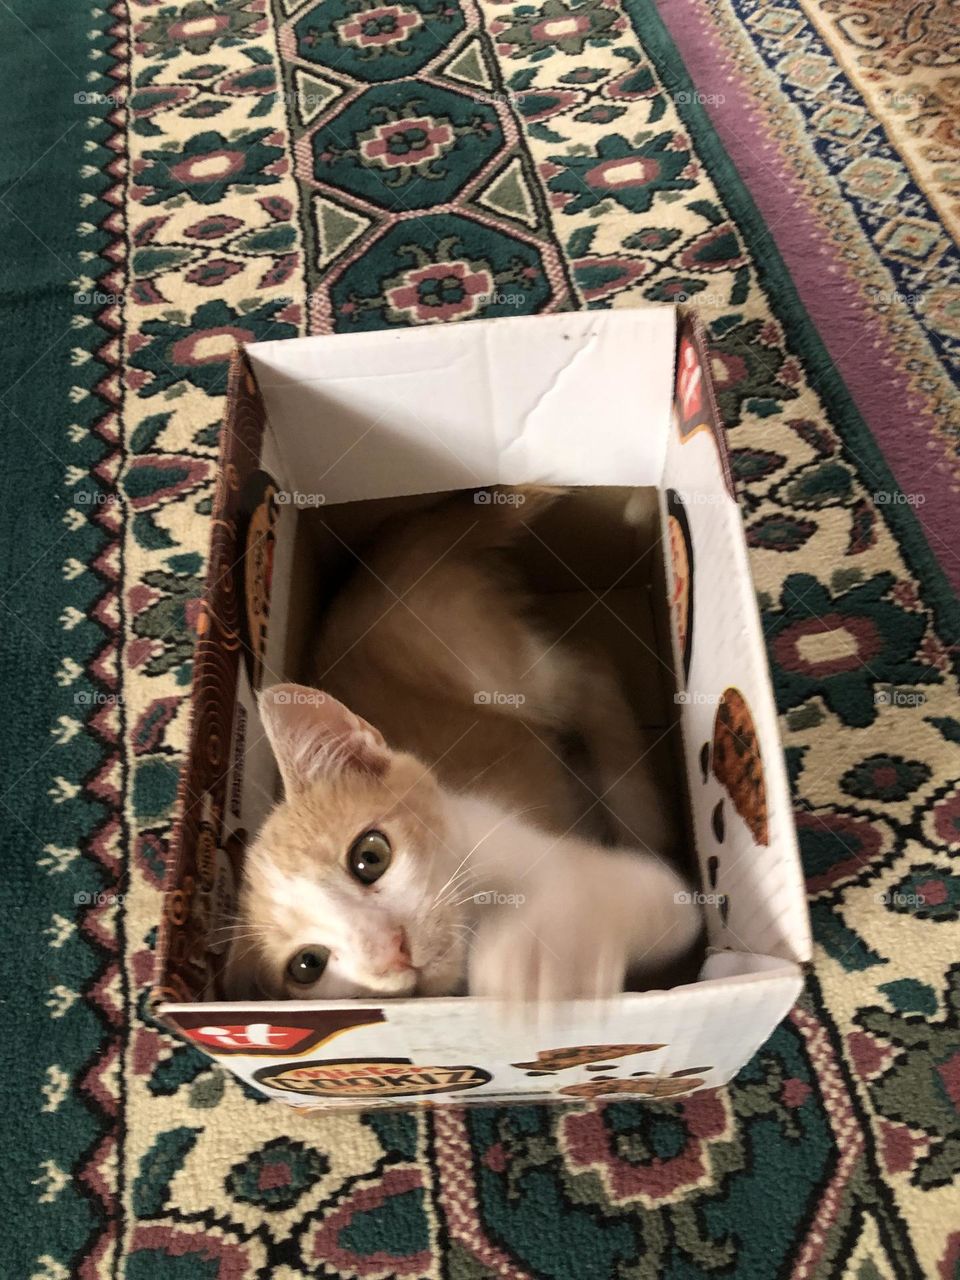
column 433, row 839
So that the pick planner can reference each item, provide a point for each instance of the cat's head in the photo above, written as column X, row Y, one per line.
column 339, row 890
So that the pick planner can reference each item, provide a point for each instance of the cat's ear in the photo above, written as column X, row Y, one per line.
column 314, row 735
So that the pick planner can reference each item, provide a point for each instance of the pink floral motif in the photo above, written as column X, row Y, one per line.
column 623, row 171
column 440, row 291
column 214, row 272
column 933, row 653
column 409, row 141
column 387, row 24
column 561, row 27
column 949, row 1264
column 206, row 26
column 700, row 1121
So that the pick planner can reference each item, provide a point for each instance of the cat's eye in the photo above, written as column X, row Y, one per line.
column 369, row 856
column 307, row 966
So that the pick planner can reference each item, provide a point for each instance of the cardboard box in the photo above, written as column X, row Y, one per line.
column 325, row 435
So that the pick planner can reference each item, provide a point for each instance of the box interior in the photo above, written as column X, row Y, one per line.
column 594, row 570
column 590, row 575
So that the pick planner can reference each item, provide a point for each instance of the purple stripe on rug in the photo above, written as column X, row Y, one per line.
column 899, row 419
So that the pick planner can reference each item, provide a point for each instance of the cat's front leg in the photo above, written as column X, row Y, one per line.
column 591, row 917
column 531, row 955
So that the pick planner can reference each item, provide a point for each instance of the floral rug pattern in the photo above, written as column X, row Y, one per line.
column 234, row 170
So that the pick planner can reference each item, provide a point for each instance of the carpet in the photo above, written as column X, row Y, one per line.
column 175, row 177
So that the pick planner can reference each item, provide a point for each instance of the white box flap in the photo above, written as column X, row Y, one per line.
column 578, row 398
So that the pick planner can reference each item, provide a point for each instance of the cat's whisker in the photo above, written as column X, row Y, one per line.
column 236, row 932
column 507, row 817
column 236, row 960
column 461, row 883
column 456, row 870
column 260, row 935
column 464, row 933
column 449, row 901
column 472, row 897
column 238, row 923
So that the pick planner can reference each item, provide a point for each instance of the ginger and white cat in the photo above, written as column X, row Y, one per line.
column 433, row 838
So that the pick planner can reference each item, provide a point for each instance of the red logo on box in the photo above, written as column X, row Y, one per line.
column 689, row 381
column 295, row 1033
column 251, row 1037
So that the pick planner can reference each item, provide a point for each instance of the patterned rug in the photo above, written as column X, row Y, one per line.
column 175, row 176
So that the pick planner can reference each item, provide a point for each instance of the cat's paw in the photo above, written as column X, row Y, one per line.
column 531, row 957
column 592, row 919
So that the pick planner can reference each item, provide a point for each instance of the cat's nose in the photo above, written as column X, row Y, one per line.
column 395, row 952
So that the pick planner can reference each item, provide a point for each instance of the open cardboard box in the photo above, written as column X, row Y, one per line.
column 325, row 436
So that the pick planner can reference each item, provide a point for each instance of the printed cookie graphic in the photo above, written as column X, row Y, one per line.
column 737, row 763
column 370, row 1078
column 646, row 1087
column 681, row 565
column 550, row 1060
column 690, row 385
column 257, row 522
column 695, row 405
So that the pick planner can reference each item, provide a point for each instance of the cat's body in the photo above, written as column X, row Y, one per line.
column 464, row 787
column 433, row 642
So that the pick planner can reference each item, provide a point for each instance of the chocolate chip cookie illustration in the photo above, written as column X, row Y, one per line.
column 254, row 571
column 681, row 564
column 648, row 1087
column 549, row 1060
column 737, row 764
